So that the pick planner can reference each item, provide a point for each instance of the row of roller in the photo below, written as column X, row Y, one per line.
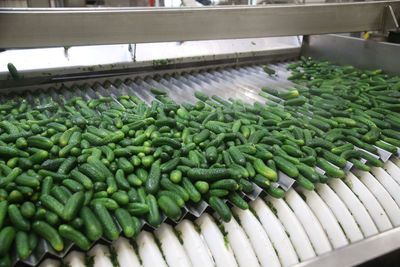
column 273, row 232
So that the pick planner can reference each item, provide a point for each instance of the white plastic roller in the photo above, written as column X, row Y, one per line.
column 326, row 218
column 294, row 229
column 383, row 197
column 101, row 256
column 393, row 170
column 148, row 251
column 221, row 250
column 396, row 161
column 373, row 207
column 357, row 209
column 50, row 263
column 240, row 244
column 262, row 246
column 388, row 182
column 75, row 259
column 194, row 245
column 174, row 253
column 310, row 223
column 126, row 255
column 276, row 232
column 341, row 212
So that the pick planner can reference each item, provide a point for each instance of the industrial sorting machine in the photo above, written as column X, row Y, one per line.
column 221, row 51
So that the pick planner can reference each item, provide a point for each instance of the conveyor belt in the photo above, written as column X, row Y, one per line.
column 274, row 232
column 278, row 232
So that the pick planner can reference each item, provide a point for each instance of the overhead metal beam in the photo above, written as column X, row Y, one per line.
column 65, row 27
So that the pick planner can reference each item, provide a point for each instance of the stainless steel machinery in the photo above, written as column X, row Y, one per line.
column 217, row 50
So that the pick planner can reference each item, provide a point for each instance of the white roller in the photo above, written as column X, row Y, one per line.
column 383, row 197
column 294, row 229
column 276, row 233
column 342, row 214
column 388, row 182
column 126, row 255
column 258, row 237
column 325, row 217
column 101, row 256
column 310, row 223
column 148, row 250
column 50, row 263
column 393, row 170
column 174, row 253
column 396, row 161
column 220, row 250
column 373, row 207
column 194, row 245
column 75, row 259
column 240, row 244
column 355, row 206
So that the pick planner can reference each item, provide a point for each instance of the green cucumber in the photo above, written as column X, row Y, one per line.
column 153, row 179
column 28, row 209
column 93, row 228
column 286, row 166
column 22, row 245
column 169, row 207
column 261, row 181
column 16, row 218
column 110, row 230
column 73, row 206
column 333, row 158
column 221, row 208
column 154, row 217
column 304, row 182
column 238, row 201
column 75, row 236
column 7, row 235
column 125, row 221
column 308, row 172
column 208, row 175
column 329, row 169
column 275, row 192
column 50, row 234
column 194, row 195
column 92, row 172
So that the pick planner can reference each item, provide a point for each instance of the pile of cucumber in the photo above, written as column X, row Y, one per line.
column 70, row 167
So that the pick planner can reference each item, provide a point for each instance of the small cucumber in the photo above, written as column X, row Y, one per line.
column 73, row 206
column 154, row 217
column 221, row 208
column 153, row 179
column 169, row 207
column 50, row 234
column 238, row 201
column 22, row 245
column 75, row 236
column 286, row 166
column 304, row 182
column 16, row 218
column 329, row 169
column 125, row 221
column 194, row 195
column 275, row 192
column 93, row 228
column 7, row 235
column 110, row 230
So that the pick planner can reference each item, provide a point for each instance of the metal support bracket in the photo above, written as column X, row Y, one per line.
column 395, row 21
column 388, row 11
